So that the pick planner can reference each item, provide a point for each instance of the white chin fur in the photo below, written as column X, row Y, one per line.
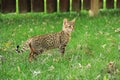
column 68, row 31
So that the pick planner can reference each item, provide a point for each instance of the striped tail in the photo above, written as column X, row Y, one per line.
column 20, row 51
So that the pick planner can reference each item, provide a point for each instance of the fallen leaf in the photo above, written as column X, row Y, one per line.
column 87, row 34
column 105, row 78
column 18, row 69
column 19, row 25
column 13, row 34
column 107, row 34
column 35, row 73
column 88, row 65
column 112, row 68
column 104, row 45
column 98, row 77
column 7, row 44
column 80, row 66
column 100, row 32
column 55, row 60
column 52, row 27
column 117, row 30
column 44, row 23
column 31, row 30
column 51, row 68
column 79, row 46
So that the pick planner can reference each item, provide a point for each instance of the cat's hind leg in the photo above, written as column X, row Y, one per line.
column 39, row 51
column 32, row 52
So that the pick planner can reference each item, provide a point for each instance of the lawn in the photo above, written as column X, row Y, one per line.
column 94, row 44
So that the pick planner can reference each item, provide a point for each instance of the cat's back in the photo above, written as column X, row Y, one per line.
column 46, row 40
column 46, row 36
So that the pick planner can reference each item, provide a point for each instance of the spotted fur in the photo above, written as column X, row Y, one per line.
column 39, row 44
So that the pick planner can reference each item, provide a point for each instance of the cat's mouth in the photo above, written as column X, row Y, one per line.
column 70, row 30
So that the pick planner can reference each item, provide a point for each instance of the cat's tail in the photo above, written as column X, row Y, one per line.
column 20, row 50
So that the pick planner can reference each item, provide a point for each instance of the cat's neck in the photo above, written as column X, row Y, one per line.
column 66, row 33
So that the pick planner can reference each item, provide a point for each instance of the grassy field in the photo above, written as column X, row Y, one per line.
column 94, row 43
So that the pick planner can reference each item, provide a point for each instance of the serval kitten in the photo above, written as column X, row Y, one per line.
column 39, row 44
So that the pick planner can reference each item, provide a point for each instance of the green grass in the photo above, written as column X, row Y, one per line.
column 94, row 43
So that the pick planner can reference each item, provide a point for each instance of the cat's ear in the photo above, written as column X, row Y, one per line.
column 65, row 21
column 73, row 21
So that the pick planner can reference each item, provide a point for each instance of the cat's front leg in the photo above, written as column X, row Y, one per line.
column 62, row 49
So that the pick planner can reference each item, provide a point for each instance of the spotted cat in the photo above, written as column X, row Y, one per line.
column 39, row 44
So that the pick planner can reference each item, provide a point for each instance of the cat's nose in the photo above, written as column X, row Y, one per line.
column 72, row 28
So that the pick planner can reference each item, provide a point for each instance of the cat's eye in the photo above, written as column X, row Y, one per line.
column 69, row 26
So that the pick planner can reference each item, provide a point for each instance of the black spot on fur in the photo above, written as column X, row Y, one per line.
column 18, row 46
column 17, row 49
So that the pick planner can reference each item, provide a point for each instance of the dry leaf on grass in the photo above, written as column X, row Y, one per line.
column 88, row 65
column 111, row 68
column 51, row 68
column 35, row 73
column 117, row 30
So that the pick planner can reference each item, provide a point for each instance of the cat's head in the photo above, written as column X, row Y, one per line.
column 68, row 26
